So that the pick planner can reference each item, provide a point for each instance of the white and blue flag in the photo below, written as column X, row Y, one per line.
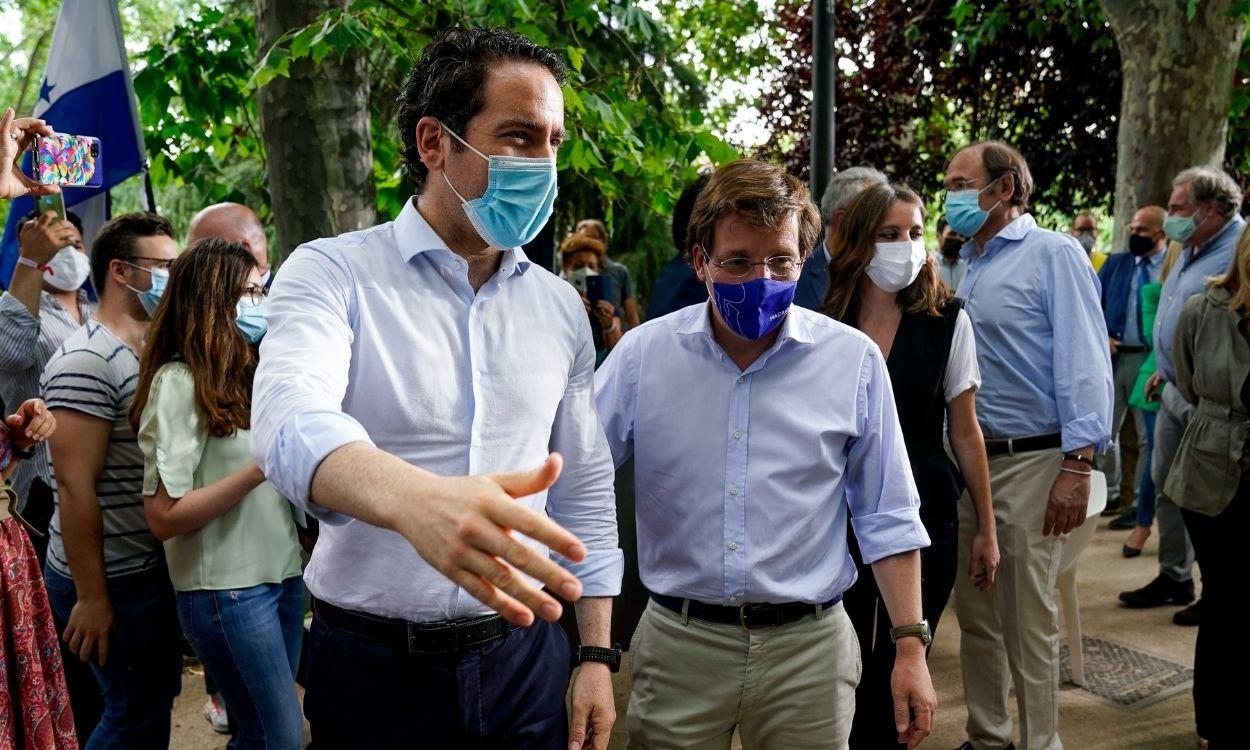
column 86, row 90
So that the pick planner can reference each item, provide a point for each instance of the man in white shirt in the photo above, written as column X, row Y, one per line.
column 406, row 367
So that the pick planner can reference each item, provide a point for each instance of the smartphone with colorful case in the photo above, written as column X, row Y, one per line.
column 68, row 160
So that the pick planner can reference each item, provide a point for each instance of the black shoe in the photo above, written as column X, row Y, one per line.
column 1189, row 617
column 1162, row 590
column 968, row 746
column 1130, row 552
column 1126, row 520
column 1112, row 510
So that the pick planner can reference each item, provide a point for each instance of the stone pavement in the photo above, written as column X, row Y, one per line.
column 1088, row 722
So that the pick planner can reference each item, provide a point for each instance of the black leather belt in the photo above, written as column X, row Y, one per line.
column 748, row 616
column 1124, row 349
column 443, row 637
column 1023, row 445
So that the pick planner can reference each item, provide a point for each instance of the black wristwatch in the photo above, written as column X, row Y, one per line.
column 609, row 656
column 19, row 453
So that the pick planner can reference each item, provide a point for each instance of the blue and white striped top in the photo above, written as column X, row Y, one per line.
column 95, row 373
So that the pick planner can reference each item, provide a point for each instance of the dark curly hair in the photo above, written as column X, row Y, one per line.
column 447, row 82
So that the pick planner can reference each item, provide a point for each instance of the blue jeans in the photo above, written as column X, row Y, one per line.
column 144, row 668
column 249, row 641
column 1146, row 491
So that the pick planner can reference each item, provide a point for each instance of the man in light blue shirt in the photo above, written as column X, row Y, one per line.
column 1202, row 213
column 758, row 431
column 1045, row 407
column 407, row 369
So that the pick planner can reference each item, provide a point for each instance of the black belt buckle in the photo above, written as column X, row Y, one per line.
column 433, row 639
column 747, row 613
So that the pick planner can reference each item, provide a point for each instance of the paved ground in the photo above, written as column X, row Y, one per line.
column 1088, row 722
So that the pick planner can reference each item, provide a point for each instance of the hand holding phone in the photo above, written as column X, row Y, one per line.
column 54, row 202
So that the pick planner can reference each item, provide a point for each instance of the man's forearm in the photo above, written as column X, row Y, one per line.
column 364, row 482
column 25, row 287
column 82, row 534
column 594, row 620
column 898, row 578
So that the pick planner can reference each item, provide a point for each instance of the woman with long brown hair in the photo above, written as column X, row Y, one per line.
column 229, row 537
column 882, row 282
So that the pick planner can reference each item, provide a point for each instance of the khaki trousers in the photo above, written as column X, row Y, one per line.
column 789, row 688
column 1010, row 634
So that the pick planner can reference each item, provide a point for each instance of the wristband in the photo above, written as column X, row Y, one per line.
column 1089, row 473
column 41, row 267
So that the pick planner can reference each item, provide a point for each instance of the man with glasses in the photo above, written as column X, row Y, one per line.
column 105, row 573
column 1044, row 407
column 746, row 480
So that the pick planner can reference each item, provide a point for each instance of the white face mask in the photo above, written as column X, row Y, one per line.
column 67, row 270
column 578, row 278
column 895, row 265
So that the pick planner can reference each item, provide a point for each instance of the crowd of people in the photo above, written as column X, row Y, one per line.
column 833, row 431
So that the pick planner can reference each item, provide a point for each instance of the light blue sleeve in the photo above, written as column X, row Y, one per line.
column 880, row 490
column 297, row 419
column 616, row 390
column 583, row 499
column 1082, row 358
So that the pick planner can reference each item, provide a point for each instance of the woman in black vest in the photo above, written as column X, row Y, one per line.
column 882, row 282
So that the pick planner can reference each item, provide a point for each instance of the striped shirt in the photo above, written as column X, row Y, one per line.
column 26, row 345
column 95, row 373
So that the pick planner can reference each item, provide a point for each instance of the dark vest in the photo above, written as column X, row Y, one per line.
column 917, row 366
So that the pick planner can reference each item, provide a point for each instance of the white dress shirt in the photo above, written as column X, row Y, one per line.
column 377, row 336
column 744, row 479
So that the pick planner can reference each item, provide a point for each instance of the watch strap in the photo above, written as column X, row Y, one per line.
column 608, row 656
column 919, row 630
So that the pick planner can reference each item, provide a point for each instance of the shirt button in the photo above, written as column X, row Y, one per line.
column 733, row 545
column 733, row 490
column 737, row 434
column 740, row 378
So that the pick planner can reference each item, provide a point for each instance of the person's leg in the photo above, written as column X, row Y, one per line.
column 291, row 619
column 1026, row 585
column 982, row 656
column 143, row 671
column 238, row 635
column 37, row 512
column 1146, row 493
column 687, row 682
column 513, row 689
column 85, row 698
column 362, row 693
column 1216, row 541
column 873, row 718
column 1176, row 554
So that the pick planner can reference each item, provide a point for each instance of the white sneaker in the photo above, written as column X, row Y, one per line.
column 216, row 715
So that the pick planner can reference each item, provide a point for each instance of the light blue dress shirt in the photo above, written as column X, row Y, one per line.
column 1034, row 301
column 744, row 479
column 376, row 336
column 1154, row 265
column 1189, row 277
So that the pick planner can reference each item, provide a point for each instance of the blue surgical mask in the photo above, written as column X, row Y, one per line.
column 754, row 308
column 249, row 316
column 151, row 297
column 520, row 195
column 964, row 212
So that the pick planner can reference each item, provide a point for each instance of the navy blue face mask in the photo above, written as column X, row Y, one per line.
column 753, row 309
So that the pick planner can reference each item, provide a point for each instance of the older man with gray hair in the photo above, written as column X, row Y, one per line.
column 845, row 185
column 1202, row 214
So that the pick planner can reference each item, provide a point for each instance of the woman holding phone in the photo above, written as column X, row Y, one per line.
column 230, row 539
column 882, row 281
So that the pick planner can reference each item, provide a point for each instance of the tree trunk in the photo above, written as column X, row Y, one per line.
column 315, row 125
column 1178, row 76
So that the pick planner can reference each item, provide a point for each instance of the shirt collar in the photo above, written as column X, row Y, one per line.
column 414, row 236
column 1018, row 229
column 1234, row 224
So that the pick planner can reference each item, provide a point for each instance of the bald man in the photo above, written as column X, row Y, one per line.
column 1123, row 276
column 234, row 222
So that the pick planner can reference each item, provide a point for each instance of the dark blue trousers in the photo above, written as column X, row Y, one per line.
column 508, row 693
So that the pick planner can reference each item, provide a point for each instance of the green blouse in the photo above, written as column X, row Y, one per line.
column 252, row 543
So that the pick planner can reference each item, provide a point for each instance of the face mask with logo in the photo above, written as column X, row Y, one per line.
column 249, row 317
column 578, row 278
column 520, row 194
column 1181, row 228
column 964, row 212
column 895, row 265
column 1139, row 246
column 151, row 297
column 67, row 270
column 754, row 309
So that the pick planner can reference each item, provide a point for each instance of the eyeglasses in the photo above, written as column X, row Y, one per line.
column 256, row 294
column 779, row 266
column 165, row 263
column 959, row 185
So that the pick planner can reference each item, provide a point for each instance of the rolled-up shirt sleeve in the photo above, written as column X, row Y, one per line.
column 583, row 500
column 880, row 490
column 297, row 396
column 1082, row 358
